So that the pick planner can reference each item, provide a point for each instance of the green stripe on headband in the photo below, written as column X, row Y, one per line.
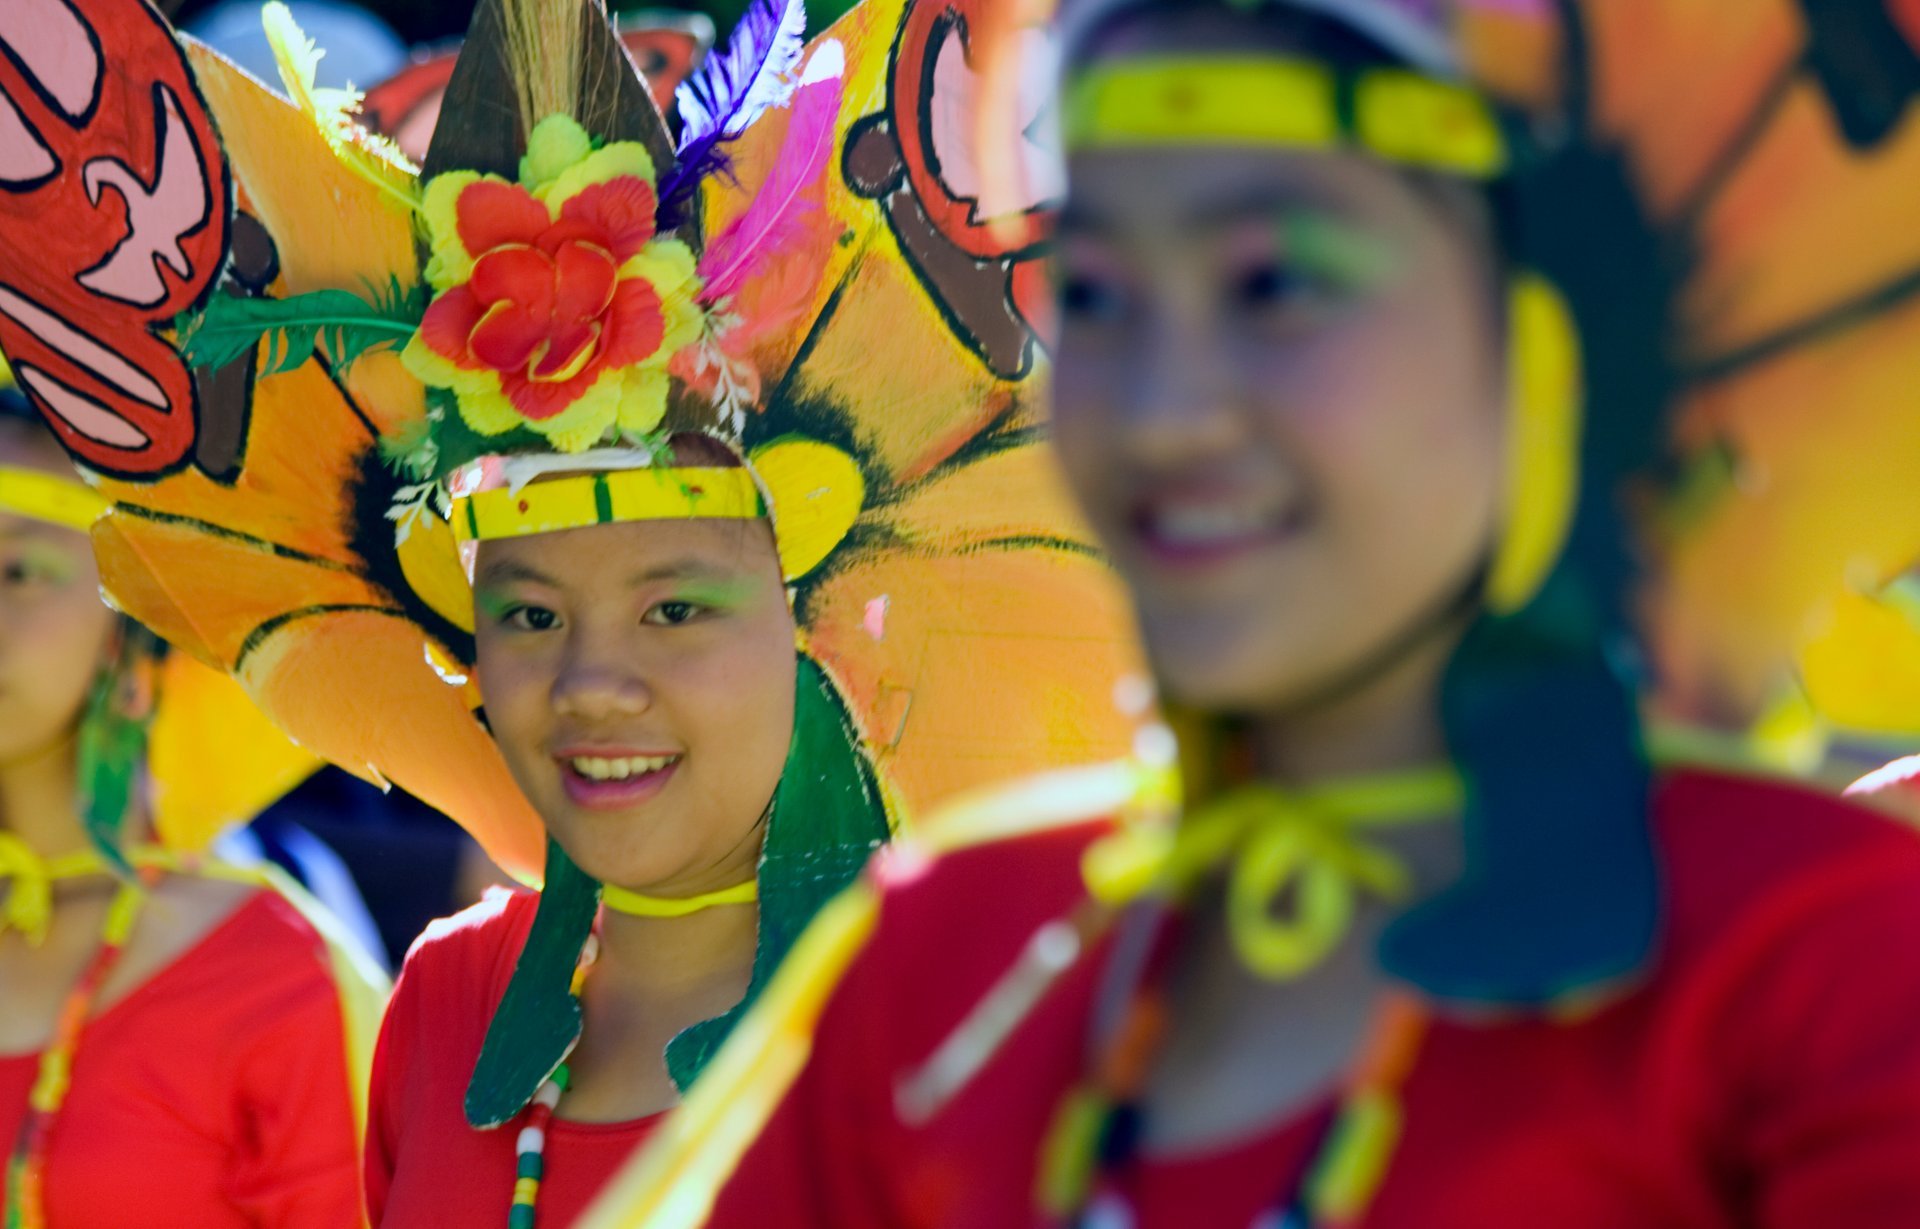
column 1400, row 116
column 606, row 498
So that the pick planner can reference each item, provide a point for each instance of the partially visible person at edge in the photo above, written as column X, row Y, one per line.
column 174, row 1050
column 1432, row 946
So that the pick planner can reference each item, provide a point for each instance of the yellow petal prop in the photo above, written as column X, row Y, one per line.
column 1543, row 441
column 49, row 498
column 817, row 493
column 216, row 760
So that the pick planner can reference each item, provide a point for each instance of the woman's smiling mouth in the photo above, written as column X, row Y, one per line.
column 607, row 781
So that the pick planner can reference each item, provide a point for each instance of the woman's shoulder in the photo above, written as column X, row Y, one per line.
column 1751, row 854
column 238, row 949
column 472, row 950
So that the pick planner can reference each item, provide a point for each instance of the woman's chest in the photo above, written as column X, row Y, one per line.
column 1492, row 1129
column 145, row 1132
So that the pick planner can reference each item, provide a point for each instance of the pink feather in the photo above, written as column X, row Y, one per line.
column 778, row 215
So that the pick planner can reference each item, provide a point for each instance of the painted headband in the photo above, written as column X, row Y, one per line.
column 1237, row 100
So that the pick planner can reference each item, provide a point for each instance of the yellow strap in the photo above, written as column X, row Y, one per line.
column 1276, row 842
column 635, row 904
column 606, row 498
column 66, row 502
column 29, row 902
column 1397, row 115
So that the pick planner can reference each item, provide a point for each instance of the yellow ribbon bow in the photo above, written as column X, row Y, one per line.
column 29, row 901
column 30, row 897
column 1276, row 842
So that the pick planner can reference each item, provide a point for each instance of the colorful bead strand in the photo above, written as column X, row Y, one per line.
column 26, row 1167
column 531, row 1146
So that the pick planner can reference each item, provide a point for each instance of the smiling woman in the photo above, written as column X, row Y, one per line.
column 1398, row 923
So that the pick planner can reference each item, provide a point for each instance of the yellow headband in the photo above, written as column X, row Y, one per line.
column 44, row 497
column 606, row 498
column 1394, row 114
column 816, row 492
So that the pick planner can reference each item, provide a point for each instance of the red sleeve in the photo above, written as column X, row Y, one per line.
column 390, row 1060
column 297, row 1166
column 1821, row 1036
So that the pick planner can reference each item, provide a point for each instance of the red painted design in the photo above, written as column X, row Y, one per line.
column 114, row 213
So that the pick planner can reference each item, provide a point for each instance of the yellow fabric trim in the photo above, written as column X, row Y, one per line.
column 676, row 1178
column 606, row 498
column 1397, row 115
column 44, row 497
column 636, row 904
column 359, row 983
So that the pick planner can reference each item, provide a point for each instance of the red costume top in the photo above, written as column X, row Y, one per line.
column 215, row 1094
column 425, row 1165
column 1764, row 1072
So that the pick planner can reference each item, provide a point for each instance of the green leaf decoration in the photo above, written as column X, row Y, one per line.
column 537, row 1023
column 113, row 741
column 339, row 323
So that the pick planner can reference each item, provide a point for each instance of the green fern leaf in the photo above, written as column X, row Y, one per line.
column 338, row 323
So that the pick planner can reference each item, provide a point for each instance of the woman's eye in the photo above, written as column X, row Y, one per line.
column 1271, row 285
column 674, row 613
column 531, row 619
column 16, row 572
column 1090, row 300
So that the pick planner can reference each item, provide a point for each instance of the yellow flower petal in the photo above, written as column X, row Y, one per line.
column 432, row 368
column 668, row 264
column 584, row 423
column 489, row 411
column 603, row 164
column 450, row 263
column 643, row 398
column 556, row 143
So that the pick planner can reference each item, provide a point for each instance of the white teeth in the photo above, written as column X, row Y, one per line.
column 1202, row 524
column 595, row 768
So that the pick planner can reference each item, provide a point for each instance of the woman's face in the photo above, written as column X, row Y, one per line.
column 1279, row 395
column 54, row 628
column 639, row 679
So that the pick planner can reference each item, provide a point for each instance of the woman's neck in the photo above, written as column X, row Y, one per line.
column 1391, row 723
column 661, row 961
column 38, row 800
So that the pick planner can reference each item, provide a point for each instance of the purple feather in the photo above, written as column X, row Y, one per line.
column 731, row 89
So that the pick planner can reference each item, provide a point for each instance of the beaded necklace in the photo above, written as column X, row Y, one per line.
column 530, row 1149
column 1093, row 1146
column 26, row 1166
